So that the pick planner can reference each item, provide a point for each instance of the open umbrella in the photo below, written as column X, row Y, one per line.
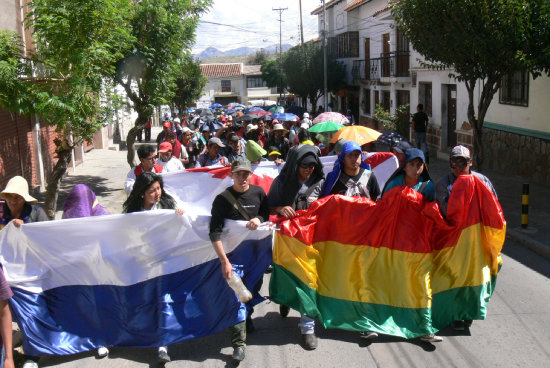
column 331, row 116
column 388, row 136
column 327, row 126
column 296, row 110
column 356, row 133
column 216, row 105
column 284, row 116
column 274, row 109
column 259, row 113
column 256, row 108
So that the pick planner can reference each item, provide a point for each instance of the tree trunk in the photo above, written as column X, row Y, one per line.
column 140, row 123
column 60, row 168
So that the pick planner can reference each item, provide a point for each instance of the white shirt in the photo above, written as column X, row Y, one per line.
column 131, row 178
column 171, row 165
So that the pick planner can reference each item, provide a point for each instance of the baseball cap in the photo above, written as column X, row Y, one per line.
column 414, row 153
column 167, row 124
column 165, row 147
column 241, row 165
column 234, row 138
column 339, row 144
column 460, row 151
column 217, row 141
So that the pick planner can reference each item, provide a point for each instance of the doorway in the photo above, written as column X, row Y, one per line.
column 451, row 115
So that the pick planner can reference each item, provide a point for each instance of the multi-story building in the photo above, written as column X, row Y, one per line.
column 384, row 69
column 234, row 82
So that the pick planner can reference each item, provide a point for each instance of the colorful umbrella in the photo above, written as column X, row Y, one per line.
column 327, row 126
column 255, row 108
column 356, row 133
column 331, row 116
column 284, row 116
column 215, row 105
column 278, row 109
column 259, row 112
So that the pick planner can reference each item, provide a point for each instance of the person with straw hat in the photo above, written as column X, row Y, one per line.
column 277, row 138
column 20, row 207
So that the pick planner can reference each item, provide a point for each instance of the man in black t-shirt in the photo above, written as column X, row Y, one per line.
column 241, row 201
column 420, row 123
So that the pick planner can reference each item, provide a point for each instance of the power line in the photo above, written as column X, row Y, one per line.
column 280, row 10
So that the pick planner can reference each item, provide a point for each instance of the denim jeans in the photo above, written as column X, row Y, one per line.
column 420, row 138
column 307, row 324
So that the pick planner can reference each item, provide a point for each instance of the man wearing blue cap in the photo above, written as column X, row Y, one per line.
column 351, row 176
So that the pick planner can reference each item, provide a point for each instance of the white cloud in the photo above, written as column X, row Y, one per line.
column 258, row 24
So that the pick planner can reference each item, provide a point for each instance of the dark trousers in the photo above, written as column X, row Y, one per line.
column 147, row 134
column 139, row 135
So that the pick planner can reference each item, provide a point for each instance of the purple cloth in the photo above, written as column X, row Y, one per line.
column 5, row 291
column 82, row 202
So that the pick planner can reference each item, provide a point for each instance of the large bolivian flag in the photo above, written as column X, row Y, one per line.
column 395, row 267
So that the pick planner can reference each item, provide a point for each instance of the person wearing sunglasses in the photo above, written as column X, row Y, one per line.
column 147, row 163
column 460, row 163
column 295, row 188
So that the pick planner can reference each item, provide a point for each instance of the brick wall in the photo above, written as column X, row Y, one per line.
column 433, row 137
column 17, row 152
column 517, row 154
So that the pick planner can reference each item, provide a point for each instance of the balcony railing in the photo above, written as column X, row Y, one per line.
column 391, row 64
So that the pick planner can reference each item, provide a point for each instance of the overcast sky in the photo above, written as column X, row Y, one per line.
column 257, row 23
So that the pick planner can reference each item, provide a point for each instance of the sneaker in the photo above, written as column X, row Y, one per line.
column 238, row 354
column 163, row 356
column 269, row 269
column 310, row 341
column 431, row 338
column 368, row 334
column 283, row 310
column 102, row 352
column 457, row 325
column 468, row 322
column 30, row 364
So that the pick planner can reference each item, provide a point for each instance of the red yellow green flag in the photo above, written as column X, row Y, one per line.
column 397, row 266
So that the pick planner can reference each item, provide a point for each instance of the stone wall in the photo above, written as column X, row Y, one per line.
column 517, row 154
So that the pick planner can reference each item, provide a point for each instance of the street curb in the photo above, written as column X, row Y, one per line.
column 528, row 242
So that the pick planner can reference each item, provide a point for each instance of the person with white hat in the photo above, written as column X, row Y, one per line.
column 306, row 119
column 277, row 139
column 20, row 207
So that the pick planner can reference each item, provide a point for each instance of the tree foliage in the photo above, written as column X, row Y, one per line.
column 189, row 83
column 61, row 77
column 162, row 31
column 480, row 40
column 303, row 69
column 271, row 73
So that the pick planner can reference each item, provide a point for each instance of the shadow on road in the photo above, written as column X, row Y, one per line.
column 527, row 257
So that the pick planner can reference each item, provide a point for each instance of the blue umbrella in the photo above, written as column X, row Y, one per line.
column 284, row 116
column 388, row 136
column 216, row 105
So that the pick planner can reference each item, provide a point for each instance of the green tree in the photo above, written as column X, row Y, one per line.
column 303, row 70
column 163, row 31
column 61, row 79
column 258, row 58
column 189, row 83
column 480, row 40
column 271, row 73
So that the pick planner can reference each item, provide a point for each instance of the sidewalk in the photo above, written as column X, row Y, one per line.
column 104, row 171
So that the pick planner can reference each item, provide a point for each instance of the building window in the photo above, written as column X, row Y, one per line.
column 226, row 86
column 344, row 45
column 366, row 101
column 514, row 89
column 255, row 82
column 425, row 97
column 386, row 100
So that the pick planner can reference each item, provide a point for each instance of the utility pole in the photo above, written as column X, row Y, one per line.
column 325, row 74
column 301, row 26
column 280, row 10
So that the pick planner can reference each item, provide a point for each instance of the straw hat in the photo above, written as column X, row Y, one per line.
column 19, row 185
column 277, row 127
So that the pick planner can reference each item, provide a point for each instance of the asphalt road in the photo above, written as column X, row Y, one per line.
column 516, row 333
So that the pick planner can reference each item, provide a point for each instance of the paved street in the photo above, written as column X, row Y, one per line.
column 516, row 333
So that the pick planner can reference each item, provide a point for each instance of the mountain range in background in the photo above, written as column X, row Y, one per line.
column 212, row 52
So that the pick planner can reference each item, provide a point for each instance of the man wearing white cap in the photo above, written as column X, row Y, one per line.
column 306, row 119
column 460, row 162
